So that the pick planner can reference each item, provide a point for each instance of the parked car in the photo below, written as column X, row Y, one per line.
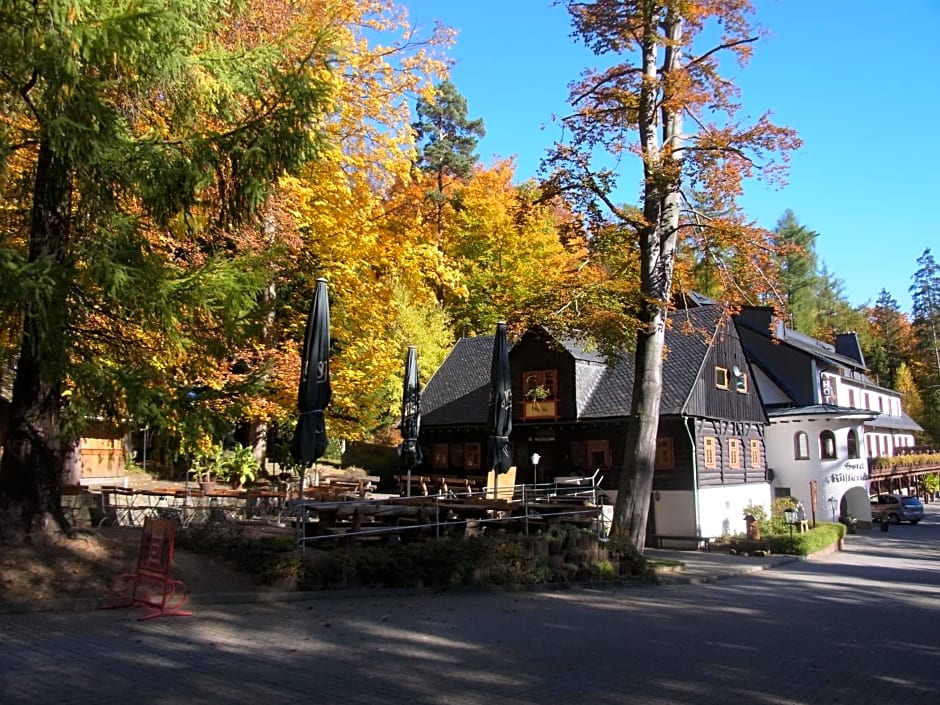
column 896, row 508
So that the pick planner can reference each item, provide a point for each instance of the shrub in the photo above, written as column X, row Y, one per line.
column 823, row 536
column 778, row 522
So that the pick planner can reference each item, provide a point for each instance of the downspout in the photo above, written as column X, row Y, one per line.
column 687, row 424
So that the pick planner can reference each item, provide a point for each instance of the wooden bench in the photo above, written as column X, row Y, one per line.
column 701, row 542
column 454, row 486
column 419, row 485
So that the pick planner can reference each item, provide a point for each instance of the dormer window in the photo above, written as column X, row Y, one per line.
column 540, row 394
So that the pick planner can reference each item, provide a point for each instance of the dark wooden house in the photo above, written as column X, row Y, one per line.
column 572, row 406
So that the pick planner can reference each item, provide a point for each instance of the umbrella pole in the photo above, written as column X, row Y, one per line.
column 301, row 515
column 408, row 485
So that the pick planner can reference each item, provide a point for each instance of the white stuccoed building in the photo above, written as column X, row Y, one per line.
column 827, row 418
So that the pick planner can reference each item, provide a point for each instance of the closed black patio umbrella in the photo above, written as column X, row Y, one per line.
column 313, row 394
column 410, row 417
column 500, row 408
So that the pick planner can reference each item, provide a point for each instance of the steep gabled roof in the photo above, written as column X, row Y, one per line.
column 458, row 393
column 688, row 339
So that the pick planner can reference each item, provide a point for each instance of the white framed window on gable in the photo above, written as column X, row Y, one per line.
column 740, row 380
column 721, row 377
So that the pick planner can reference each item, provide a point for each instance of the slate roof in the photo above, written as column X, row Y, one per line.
column 687, row 341
column 901, row 423
column 819, row 410
column 458, row 393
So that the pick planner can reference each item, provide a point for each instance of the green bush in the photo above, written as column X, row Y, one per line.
column 778, row 522
column 823, row 536
column 274, row 559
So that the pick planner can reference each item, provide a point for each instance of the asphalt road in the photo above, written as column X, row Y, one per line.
column 859, row 627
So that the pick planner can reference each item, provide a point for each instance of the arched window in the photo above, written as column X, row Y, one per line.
column 853, row 443
column 801, row 446
column 827, row 445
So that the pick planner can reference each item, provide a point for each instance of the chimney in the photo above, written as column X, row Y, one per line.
column 847, row 345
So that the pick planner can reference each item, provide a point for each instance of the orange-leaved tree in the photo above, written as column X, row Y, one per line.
column 662, row 98
column 353, row 232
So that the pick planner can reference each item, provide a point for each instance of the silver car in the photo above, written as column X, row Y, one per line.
column 896, row 508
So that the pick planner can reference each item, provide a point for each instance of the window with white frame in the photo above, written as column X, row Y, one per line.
column 827, row 445
column 801, row 445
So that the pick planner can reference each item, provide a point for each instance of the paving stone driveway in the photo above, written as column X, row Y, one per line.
column 859, row 627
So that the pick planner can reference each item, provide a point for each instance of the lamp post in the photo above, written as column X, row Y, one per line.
column 833, row 503
column 789, row 514
column 535, row 458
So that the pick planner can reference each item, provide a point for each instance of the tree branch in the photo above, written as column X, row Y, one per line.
column 721, row 47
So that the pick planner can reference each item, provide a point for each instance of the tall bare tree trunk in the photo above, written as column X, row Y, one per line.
column 661, row 202
column 34, row 453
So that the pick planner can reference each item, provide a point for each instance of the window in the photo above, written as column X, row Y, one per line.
column 540, row 385
column 721, row 377
column 456, row 455
column 471, row 456
column 827, row 445
column 578, row 455
column 665, row 454
column 598, row 454
column 540, row 394
column 755, row 453
column 740, row 381
column 734, row 453
column 852, row 441
column 709, row 456
column 439, row 456
column 801, row 446
column 852, row 398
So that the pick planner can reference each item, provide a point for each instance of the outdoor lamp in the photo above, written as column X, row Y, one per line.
column 535, row 458
column 789, row 514
column 833, row 503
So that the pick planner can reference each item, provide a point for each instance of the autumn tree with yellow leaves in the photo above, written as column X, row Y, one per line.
column 662, row 97
column 135, row 142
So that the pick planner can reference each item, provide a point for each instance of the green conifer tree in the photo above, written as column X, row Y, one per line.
column 125, row 126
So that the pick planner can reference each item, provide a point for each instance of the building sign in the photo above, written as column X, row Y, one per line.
column 852, row 471
column 827, row 386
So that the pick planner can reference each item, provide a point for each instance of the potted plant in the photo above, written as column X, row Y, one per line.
column 205, row 468
column 851, row 523
column 237, row 466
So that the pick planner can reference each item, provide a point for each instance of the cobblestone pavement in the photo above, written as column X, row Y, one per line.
column 858, row 627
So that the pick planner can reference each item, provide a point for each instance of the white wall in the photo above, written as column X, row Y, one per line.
column 721, row 509
column 675, row 513
column 834, row 477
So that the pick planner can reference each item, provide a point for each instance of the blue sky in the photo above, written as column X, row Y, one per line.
column 858, row 79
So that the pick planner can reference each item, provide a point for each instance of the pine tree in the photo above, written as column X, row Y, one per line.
column 925, row 312
column 797, row 262
column 447, row 141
